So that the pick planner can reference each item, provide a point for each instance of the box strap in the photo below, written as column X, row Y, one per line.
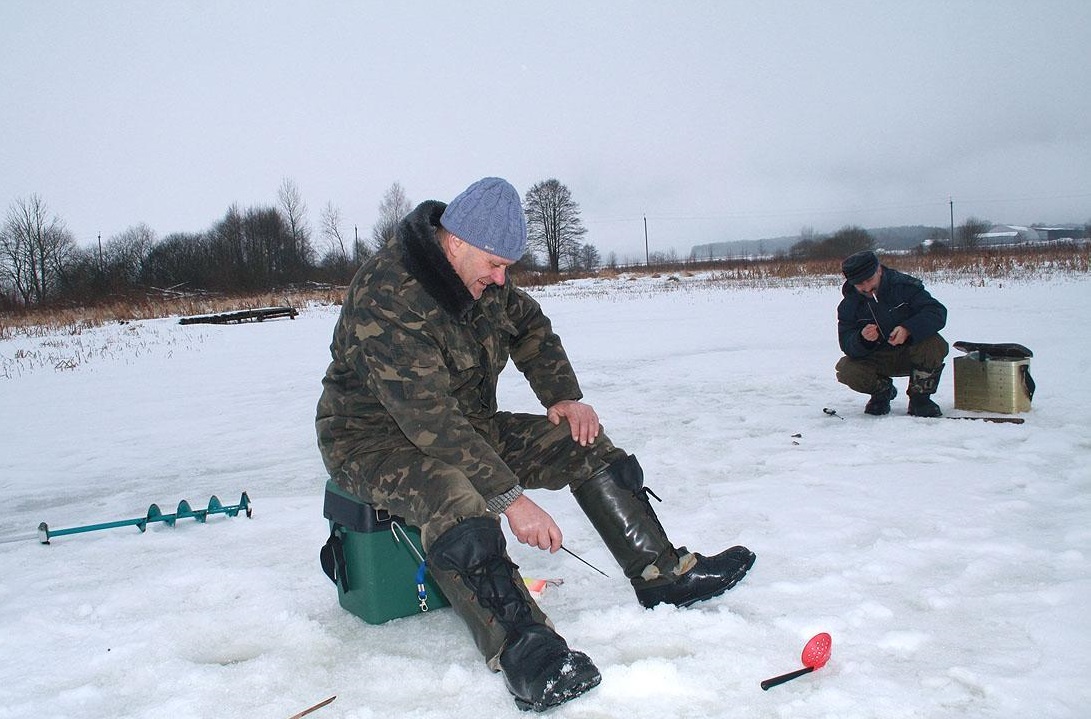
column 332, row 557
column 1028, row 381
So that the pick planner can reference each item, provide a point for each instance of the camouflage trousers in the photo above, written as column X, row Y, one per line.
column 864, row 374
column 434, row 495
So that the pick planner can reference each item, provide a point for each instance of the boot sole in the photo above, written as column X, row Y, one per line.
column 735, row 579
column 649, row 603
column 563, row 696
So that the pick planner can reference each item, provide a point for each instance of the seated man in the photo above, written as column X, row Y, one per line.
column 408, row 421
column 888, row 326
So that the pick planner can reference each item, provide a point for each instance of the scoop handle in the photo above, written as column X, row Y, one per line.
column 769, row 683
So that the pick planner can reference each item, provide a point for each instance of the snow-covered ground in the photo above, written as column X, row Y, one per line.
column 948, row 560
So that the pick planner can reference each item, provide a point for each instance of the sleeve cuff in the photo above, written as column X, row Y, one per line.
column 502, row 501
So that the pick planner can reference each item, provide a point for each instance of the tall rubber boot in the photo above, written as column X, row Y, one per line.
column 540, row 671
column 922, row 385
column 616, row 502
column 879, row 404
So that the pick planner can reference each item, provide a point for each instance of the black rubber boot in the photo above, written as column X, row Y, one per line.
column 879, row 404
column 922, row 385
column 616, row 502
column 539, row 669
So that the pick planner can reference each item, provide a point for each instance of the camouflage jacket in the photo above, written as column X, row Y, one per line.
column 416, row 359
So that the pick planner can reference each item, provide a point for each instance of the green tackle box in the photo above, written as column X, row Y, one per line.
column 368, row 558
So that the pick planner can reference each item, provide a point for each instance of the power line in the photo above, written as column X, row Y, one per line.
column 845, row 210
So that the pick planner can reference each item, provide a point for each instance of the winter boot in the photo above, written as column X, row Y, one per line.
column 922, row 385
column 540, row 671
column 616, row 502
column 879, row 404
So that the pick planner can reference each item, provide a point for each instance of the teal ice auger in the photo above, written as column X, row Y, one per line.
column 155, row 515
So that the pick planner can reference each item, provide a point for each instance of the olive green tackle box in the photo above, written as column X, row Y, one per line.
column 376, row 561
column 992, row 381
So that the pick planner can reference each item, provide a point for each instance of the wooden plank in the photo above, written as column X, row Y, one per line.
column 255, row 315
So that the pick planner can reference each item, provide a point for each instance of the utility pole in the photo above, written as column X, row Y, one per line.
column 951, row 200
column 647, row 257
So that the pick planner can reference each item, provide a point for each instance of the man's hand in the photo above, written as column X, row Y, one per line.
column 870, row 333
column 899, row 336
column 582, row 419
column 532, row 525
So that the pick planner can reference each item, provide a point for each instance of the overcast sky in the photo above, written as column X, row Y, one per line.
column 716, row 120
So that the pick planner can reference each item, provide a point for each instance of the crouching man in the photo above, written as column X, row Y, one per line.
column 888, row 326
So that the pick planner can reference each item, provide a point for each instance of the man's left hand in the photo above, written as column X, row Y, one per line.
column 582, row 419
column 899, row 336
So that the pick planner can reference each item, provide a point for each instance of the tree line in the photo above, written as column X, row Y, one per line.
column 852, row 238
column 248, row 250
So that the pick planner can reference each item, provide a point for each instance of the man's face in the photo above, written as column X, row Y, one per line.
column 476, row 268
column 871, row 284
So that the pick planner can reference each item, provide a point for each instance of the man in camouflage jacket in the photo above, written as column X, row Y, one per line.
column 408, row 421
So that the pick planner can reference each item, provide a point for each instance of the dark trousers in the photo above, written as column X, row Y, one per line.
column 868, row 374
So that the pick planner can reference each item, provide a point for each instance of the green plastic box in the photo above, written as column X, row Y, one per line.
column 367, row 557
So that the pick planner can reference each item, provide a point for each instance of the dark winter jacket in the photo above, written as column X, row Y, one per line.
column 415, row 360
column 902, row 300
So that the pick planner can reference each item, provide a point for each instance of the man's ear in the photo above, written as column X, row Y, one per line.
column 452, row 243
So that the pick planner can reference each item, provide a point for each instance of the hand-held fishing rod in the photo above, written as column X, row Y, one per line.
column 585, row 561
column 882, row 333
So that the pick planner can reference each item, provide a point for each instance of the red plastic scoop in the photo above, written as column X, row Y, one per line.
column 815, row 655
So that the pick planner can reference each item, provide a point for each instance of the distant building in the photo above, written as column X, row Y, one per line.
column 1009, row 235
column 1054, row 234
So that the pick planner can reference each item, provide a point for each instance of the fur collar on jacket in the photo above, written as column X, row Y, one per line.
column 426, row 261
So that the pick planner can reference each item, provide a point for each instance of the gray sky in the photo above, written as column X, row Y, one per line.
column 716, row 120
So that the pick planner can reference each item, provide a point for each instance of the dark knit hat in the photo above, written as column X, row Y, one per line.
column 489, row 215
column 860, row 266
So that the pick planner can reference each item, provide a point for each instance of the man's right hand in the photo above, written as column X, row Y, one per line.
column 870, row 333
column 532, row 525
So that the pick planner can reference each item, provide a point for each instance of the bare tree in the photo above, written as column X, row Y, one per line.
column 553, row 222
column 392, row 209
column 338, row 262
column 331, row 231
column 850, row 239
column 122, row 260
column 293, row 207
column 804, row 249
column 294, row 211
column 969, row 232
column 180, row 259
column 33, row 249
column 589, row 257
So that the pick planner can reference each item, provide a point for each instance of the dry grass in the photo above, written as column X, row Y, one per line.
column 974, row 266
column 73, row 320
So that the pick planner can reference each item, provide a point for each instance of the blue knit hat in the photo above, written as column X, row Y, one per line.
column 489, row 215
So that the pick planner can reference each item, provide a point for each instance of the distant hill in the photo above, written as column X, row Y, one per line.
column 886, row 238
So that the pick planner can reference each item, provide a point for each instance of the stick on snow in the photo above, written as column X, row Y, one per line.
column 308, row 710
column 154, row 515
column 997, row 420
